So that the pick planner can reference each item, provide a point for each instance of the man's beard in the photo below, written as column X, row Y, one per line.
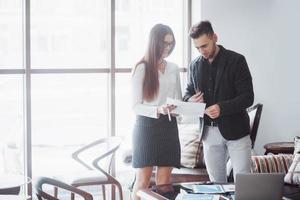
column 212, row 55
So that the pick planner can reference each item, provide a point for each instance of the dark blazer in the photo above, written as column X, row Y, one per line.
column 233, row 92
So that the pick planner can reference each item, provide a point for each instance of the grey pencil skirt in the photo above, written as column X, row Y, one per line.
column 155, row 142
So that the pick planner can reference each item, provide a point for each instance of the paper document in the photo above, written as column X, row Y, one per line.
column 197, row 197
column 229, row 187
column 187, row 108
column 211, row 189
column 208, row 189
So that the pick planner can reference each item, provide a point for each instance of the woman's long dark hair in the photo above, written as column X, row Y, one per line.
column 154, row 52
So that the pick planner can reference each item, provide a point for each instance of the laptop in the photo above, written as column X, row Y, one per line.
column 259, row 186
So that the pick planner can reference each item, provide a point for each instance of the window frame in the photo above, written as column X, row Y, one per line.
column 112, row 70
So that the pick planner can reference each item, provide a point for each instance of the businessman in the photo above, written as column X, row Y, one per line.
column 221, row 78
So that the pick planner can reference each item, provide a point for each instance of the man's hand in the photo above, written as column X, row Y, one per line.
column 213, row 111
column 197, row 98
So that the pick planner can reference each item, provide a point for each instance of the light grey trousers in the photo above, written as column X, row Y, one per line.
column 217, row 150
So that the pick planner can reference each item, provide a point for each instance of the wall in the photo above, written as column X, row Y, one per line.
column 268, row 34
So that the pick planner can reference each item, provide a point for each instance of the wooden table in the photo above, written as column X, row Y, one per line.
column 279, row 147
column 167, row 192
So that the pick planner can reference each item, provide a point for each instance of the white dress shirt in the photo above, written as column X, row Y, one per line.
column 169, row 86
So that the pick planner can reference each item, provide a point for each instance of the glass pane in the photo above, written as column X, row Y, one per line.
column 68, row 111
column 11, row 34
column 125, row 119
column 11, row 126
column 69, row 34
column 134, row 19
column 196, row 18
column 124, row 114
column 183, row 81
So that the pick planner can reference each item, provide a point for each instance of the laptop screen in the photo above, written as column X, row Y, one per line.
column 258, row 186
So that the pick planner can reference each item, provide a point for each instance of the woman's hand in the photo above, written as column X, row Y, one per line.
column 164, row 109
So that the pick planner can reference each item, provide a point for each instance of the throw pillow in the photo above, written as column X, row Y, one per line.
column 191, row 147
column 297, row 145
column 271, row 163
column 293, row 175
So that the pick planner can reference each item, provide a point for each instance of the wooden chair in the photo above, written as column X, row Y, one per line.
column 254, row 113
column 91, row 157
column 43, row 194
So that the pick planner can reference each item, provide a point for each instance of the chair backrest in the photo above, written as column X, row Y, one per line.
column 43, row 194
column 254, row 113
column 97, row 150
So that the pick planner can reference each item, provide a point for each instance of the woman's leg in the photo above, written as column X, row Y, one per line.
column 163, row 175
column 143, row 176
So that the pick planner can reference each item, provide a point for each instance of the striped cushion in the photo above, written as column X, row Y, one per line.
column 271, row 163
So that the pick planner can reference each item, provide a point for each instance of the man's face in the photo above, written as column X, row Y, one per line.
column 206, row 45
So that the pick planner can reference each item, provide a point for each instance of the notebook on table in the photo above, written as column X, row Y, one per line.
column 213, row 188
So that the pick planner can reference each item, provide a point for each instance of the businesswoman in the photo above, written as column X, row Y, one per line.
column 155, row 136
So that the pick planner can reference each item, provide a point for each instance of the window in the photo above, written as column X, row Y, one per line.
column 69, row 34
column 68, row 110
column 133, row 25
column 75, row 95
column 11, row 34
column 11, row 126
column 12, row 143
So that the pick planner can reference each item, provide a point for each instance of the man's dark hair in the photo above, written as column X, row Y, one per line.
column 201, row 28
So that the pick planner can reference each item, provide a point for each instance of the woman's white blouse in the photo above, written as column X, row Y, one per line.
column 169, row 86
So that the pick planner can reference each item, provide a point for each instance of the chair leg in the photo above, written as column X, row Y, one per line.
column 103, row 192
column 120, row 192
column 72, row 196
column 39, row 197
column 130, row 187
column 55, row 192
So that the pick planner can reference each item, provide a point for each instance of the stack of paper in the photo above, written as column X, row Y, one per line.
column 194, row 191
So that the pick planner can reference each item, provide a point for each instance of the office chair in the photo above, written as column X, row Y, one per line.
column 95, row 174
column 43, row 194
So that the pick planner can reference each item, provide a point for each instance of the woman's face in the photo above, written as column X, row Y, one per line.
column 168, row 45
